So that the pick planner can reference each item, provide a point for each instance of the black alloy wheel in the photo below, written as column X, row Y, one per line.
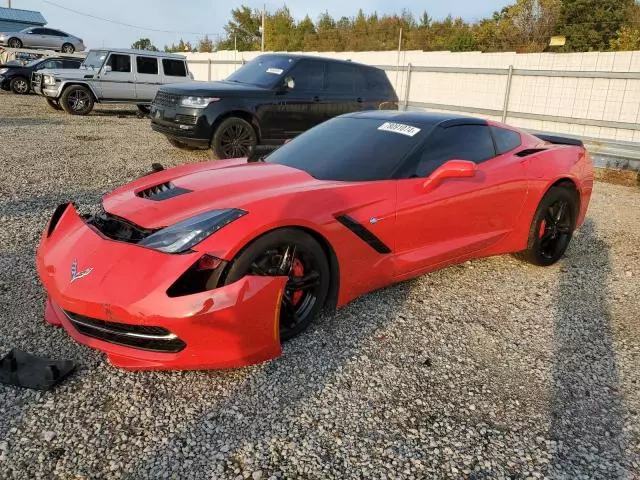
column 234, row 138
column 15, row 43
column 68, row 48
column 77, row 100
column 20, row 85
column 299, row 257
column 555, row 229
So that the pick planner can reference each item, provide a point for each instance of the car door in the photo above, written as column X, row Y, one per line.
column 147, row 77
column 51, row 39
column 115, row 80
column 33, row 38
column 301, row 107
column 457, row 217
column 345, row 84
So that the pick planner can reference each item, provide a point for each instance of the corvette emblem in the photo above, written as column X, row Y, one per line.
column 75, row 275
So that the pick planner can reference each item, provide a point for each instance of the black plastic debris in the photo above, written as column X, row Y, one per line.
column 156, row 167
column 22, row 369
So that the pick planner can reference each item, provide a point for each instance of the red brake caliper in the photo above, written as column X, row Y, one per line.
column 297, row 270
column 543, row 227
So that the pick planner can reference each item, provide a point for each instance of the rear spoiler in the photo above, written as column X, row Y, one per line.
column 561, row 140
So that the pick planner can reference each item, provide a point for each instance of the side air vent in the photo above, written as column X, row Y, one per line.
column 365, row 235
column 529, row 151
column 164, row 191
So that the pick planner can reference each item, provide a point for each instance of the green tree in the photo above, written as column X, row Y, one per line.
column 182, row 46
column 628, row 37
column 592, row 25
column 242, row 30
column 144, row 44
column 205, row 45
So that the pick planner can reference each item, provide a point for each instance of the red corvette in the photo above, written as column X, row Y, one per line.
column 212, row 265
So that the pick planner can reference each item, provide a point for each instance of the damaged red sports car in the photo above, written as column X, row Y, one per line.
column 212, row 265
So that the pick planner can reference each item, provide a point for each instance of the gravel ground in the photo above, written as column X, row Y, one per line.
column 492, row 369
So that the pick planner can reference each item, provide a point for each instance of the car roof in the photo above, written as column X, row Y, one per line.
column 300, row 56
column 147, row 53
column 423, row 119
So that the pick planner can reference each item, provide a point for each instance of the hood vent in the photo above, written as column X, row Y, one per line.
column 164, row 191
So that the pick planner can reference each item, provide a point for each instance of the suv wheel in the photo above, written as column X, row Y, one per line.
column 234, row 138
column 19, row 85
column 145, row 109
column 68, row 48
column 77, row 100
column 14, row 43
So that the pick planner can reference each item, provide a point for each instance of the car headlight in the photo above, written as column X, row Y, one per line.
column 197, row 102
column 184, row 235
column 49, row 80
column 3, row 70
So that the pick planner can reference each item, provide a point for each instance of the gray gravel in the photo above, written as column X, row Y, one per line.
column 492, row 369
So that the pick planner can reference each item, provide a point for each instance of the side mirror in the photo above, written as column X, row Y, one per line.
column 451, row 169
column 107, row 68
column 287, row 141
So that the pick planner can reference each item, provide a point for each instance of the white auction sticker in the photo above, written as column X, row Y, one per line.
column 400, row 128
column 275, row 71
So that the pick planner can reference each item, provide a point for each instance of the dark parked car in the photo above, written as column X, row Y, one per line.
column 269, row 100
column 17, row 78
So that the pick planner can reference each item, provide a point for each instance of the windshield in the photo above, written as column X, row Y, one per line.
column 33, row 63
column 360, row 149
column 263, row 71
column 95, row 59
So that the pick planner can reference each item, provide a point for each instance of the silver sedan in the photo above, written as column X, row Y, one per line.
column 41, row 37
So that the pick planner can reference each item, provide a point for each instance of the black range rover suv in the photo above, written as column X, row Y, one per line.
column 269, row 100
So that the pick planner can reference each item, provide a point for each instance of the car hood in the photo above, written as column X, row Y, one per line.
column 219, row 88
column 169, row 196
column 70, row 73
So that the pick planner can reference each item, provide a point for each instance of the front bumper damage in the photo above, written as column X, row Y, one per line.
column 121, row 306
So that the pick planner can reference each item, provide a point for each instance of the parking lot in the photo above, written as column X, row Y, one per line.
column 491, row 369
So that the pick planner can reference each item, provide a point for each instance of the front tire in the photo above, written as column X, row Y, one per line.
column 68, row 48
column 53, row 104
column 144, row 109
column 296, row 254
column 77, row 100
column 552, row 227
column 234, row 138
column 14, row 43
column 20, row 85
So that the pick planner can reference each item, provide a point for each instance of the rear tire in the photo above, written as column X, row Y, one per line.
column 77, row 100
column 552, row 227
column 299, row 306
column 53, row 104
column 68, row 48
column 20, row 85
column 14, row 43
column 234, row 138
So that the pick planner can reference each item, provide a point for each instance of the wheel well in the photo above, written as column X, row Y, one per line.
column 569, row 184
column 13, row 38
column 79, row 85
column 244, row 115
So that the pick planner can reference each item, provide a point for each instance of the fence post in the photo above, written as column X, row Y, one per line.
column 507, row 94
column 408, row 88
column 209, row 69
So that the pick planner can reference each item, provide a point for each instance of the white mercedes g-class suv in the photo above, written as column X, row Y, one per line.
column 111, row 76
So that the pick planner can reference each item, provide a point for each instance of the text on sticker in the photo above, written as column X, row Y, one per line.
column 400, row 128
column 276, row 71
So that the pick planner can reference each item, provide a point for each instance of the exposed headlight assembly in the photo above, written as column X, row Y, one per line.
column 49, row 80
column 3, row 70
column 184, row 235
column 197, row 102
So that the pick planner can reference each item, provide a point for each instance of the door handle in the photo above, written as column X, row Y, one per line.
column 316, row 98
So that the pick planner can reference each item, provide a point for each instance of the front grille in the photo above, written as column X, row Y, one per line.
column 186, row 119
column 166, row 99
column 36, row 79
column 155, row 339
column 164, row 191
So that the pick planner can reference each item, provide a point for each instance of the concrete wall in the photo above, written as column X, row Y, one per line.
column 580, row 104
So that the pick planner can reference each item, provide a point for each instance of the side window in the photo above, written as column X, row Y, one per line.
column 506, row 140
column 174, row 68
column 53, row 33
column 52, row 64
column 38, row 31
column 147, row 65
column 308, row 75
column 377, row 81
column 464, row 142
column 344, row 78
column 119, row 63
column 71, row 64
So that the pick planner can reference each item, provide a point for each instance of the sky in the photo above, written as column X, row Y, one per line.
column 192, row 19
